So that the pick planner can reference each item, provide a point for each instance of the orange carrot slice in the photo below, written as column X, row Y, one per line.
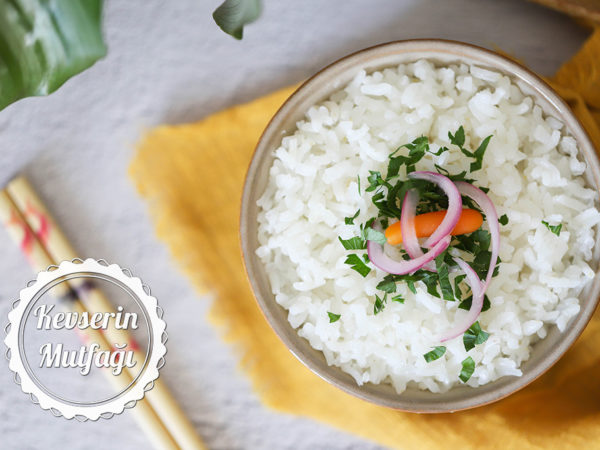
column 425, row 224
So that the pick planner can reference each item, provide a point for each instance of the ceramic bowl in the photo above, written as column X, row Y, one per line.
column 544, row 354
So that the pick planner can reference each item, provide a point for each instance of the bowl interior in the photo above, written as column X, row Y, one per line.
column 321, row 86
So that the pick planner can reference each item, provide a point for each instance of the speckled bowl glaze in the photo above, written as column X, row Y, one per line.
column 544, row 354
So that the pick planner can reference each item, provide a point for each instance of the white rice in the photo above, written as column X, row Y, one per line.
column 532, row 169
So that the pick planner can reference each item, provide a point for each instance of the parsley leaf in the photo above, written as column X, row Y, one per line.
column 357, row 264
column 468, row 367
column 416, row 151
column 474, row 336
column 434, row 354
column 442, row 272
column 478, row 154
column 379, row 304
column 375, row 180
column 553, row 228
column 376, row 236
column 333, row 317
column 355, row 243
column 350, row 220
column 398, row 298
column 466, row 303
column 388, row 284
column 503, row 219
column 439, row 152
column 458, row 138
column 457, row 280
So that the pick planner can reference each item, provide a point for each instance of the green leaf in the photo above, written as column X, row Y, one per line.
column 474, row 336
column 457, row 280
column 553, row 228
column 439, row 152
column 503, row 219
column 44, row 43
column 411, row 286
column 388, row 284
column 431, row 282
column 376, row 236
column 443, row 279
column 379, row 304
column 479, row 153
column 468, row 367
column 394, row 167
column 232, row 15
column 358, row 181
column 333, row 317
column 355, row 243
column 466, row 303
column 350, row 220
column 398, row 298
column 434, row 354
column 458, row 138
column 416, row 151
column 375, row 180
column 357, row 264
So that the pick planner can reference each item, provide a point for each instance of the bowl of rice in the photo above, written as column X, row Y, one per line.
column 393, row 144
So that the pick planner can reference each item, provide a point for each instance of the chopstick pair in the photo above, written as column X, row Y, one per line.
column 30, row 225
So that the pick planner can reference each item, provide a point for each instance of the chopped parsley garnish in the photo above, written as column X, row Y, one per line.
column 468, row 367
column 388, row 284
column 554, row 228
column 466, row 303
column 443, row 279
column 375, row 180
column 474, row 336
column 350, row 220
column 387, row 194
column 434, row 354
column 458, row 139
column 398, row 298
column 355, row 263
column 379, row 304
column 333, row 317
column 355, row 243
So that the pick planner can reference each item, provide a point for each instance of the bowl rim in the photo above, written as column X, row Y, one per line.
column 500, row 62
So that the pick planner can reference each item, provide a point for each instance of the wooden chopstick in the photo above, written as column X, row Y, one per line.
column 59, row 249
column 20, row 232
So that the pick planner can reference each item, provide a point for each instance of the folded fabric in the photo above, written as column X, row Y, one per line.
column 192, row 177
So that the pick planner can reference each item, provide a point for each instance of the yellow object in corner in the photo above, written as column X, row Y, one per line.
column 192, row 177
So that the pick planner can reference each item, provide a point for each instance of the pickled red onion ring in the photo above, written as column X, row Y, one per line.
column 407, row 224
column 389, row 265
column 407, row 227
column 478, row 291
column 477, row 287
column 454, row 205
column 491, row 217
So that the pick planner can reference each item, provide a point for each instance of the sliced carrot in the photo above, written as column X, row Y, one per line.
column 425, row 224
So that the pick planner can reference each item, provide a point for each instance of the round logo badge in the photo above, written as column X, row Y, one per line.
column 78, row 354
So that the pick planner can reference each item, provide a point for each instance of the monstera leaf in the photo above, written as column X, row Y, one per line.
column 232, row 15
column 45, row 42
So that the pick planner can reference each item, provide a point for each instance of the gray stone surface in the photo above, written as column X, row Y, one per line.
column 168, row 62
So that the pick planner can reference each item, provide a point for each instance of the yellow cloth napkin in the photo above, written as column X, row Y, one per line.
column 192, row 177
